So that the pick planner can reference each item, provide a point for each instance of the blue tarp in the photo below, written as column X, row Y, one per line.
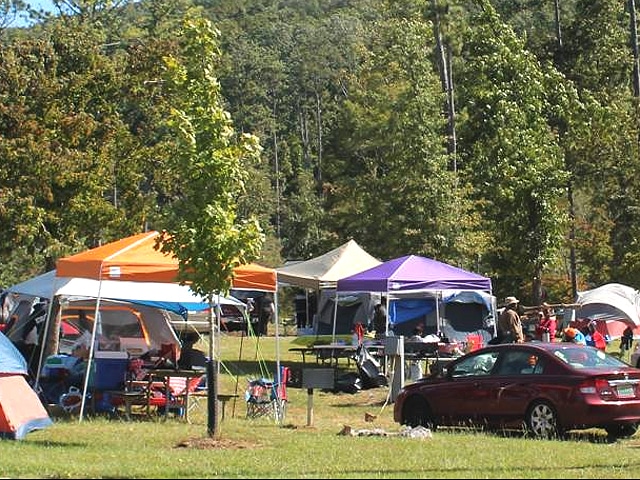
column 181, row 309
column 404, row 310
column 407, row 309
column 11, row 360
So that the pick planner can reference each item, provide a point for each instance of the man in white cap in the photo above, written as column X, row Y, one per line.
column 509, row 324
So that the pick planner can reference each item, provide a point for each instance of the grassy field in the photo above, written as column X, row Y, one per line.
column 100, row 447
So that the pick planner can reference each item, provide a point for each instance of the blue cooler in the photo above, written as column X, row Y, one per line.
column 110, row 370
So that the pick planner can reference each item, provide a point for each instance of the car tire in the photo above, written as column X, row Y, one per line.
column 626, row 430
column 417, row 413
column 542, row 420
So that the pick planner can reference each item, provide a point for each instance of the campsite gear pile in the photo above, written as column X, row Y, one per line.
column 55, row 380
column 369, row 374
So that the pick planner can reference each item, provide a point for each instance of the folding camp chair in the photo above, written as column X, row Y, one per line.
column 267, row 397
column 171, row 395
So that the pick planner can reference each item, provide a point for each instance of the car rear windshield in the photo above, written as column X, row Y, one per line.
column 579, row 356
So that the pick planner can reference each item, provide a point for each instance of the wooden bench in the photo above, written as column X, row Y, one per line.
column 303, row 351
column 223, row 399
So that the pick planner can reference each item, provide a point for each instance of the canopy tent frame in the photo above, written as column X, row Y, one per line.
column 133, row 259
column 324, row 271
column 413, row 276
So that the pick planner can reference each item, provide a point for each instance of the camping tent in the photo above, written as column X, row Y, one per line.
column 339, row 319
column 612, row 301
column 124, row 325
column 21, row 410
column 323, row 272
column 415, row 277
column 613, row 305
column 171, row 297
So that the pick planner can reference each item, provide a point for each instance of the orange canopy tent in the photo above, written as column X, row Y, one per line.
column 135, row 259
column 255, row 277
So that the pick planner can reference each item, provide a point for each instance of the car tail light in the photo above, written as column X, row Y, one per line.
column 598, row 386
column 614, row 389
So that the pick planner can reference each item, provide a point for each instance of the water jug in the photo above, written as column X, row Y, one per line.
column 546, row 336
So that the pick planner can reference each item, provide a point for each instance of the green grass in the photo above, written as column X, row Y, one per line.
column 111, row 448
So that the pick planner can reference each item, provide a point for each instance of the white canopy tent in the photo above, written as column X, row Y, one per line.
column 49, row 286
column 167, row 296
column 323, row 272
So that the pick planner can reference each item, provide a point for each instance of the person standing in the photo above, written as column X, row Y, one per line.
column 415, row 371
column 626, row 341
column 267, row 312
column 509, row 323
column 546, row 324
column 380, row 318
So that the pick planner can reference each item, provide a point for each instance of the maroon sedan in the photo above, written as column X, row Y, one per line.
column 547, row 388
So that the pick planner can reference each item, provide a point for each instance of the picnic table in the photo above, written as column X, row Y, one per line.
column 333, row 352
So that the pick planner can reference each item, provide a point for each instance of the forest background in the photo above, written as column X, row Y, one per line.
column 499, row 136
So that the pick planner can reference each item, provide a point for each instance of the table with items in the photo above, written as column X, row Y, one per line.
column 434, row 355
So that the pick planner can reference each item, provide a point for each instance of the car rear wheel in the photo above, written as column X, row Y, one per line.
column 542, row 420
column 416, row 412
column 621, row 431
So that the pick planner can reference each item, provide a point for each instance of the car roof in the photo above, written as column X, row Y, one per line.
column 549, row 347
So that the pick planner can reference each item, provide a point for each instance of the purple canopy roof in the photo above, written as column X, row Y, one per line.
column 413, row 272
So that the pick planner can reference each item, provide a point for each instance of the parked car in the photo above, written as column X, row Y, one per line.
column 543, row 388
column 232, row 319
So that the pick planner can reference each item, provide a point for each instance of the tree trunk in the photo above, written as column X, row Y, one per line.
column 634, row 45
column 557, row 18
column 443, row 59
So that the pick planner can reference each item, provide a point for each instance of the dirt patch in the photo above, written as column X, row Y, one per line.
column 217, row 443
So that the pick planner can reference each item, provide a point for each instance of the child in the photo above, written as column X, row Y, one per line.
column 595, row 338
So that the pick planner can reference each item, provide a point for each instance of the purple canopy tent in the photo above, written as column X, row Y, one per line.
column 413, row 276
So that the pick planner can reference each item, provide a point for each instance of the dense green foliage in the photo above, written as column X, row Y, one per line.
column 499, row 136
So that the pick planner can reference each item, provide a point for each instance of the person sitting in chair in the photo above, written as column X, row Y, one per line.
column 190, row 357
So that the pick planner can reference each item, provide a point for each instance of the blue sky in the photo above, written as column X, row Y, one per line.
column 46, row 5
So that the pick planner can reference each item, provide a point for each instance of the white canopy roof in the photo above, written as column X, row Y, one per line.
column 323, row 272
column 48, row 285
